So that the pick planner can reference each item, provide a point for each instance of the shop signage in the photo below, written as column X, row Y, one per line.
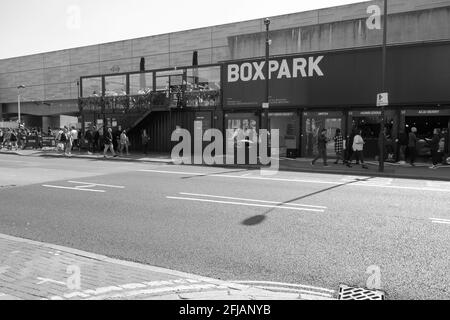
column 429, row 112
column 341, row 78
column 282, row 114
column 382, row 99
column 292, row 68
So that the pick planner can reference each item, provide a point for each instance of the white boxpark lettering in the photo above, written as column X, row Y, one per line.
column 300, row 67
column 246, row 144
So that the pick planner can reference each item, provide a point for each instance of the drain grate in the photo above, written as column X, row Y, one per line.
column 351, row 293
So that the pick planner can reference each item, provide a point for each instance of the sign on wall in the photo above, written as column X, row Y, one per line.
column 416, row 75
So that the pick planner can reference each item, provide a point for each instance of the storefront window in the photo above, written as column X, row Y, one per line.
column 115, row 86
column 288, row 123
column 239, row 126
column 141, row 83
column 92, row 87
column 314, row 124
column 206, row 79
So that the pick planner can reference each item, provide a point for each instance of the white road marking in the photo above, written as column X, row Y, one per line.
column 284, row 284
column 356, row 184
column 281, row 289
column 440, row 221
column 246, row 204
column 69, row 188
column 46, row 280
column 97, row 184
column 250, row 200
column 85, row 186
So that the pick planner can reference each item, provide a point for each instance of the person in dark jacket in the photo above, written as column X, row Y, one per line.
column 412, row 146
column 403, row 144
column 89, row 136
column 322, row 146
column 96, row 139
column 434, row 144
column 108, row 141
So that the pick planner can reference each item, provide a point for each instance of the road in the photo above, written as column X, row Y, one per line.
column 235, row 224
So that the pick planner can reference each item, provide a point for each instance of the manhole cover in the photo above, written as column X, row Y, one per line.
column 351, row 293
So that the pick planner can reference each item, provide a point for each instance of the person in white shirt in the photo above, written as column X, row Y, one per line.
column 74, row 138
column 358, row 148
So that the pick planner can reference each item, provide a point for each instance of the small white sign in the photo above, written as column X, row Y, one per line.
column 382, row 99
column 265, row 105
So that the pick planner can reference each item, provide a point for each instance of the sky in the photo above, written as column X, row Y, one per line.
column 36, row 26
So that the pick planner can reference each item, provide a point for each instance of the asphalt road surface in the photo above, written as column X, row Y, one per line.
column 236, row 224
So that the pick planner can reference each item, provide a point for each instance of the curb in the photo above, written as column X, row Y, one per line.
column 248, row 167
column 52, row 155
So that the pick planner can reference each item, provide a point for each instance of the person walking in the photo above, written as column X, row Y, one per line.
column 434, row 145
column 124, row 142
column 412, row 146
column 74, row 139
column 145, row 141
column 358, row 149
column 108, row 141
column 339, row 146
column 96, row 138
column 13, row 138
column 403, row 143
column 89, row 137
column 322, row 147
column 68, row 142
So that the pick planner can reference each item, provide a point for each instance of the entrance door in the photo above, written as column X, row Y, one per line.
column 288, row 124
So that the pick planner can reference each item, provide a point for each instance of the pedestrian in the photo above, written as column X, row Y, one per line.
column 124, row 142
column 13, row 140
column 322, row 148
column 145, row 141
column 108, row 141
column 74, row 139
column 339, row 146
column 358, row 149
column 89, row 137
column 96, row 138
column 67, row 140
column 403, row 145
column 434, row 146
column 412, row 146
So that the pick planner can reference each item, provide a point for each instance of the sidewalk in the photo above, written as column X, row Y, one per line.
column 31, row 270
column 392, row 170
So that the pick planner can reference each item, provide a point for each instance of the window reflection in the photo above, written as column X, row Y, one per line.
column 141, row 83
column 92, row 87
column 115, row 86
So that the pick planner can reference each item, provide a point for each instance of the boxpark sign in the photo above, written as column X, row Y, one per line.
column 417, row 74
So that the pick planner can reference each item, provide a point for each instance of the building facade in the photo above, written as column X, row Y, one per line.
column 338, row 91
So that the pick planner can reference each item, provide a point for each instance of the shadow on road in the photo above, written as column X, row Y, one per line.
column 256, row 220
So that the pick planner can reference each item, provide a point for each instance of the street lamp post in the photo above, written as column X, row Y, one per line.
column 267, row 76
column 383, row 87
column 18, row 103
